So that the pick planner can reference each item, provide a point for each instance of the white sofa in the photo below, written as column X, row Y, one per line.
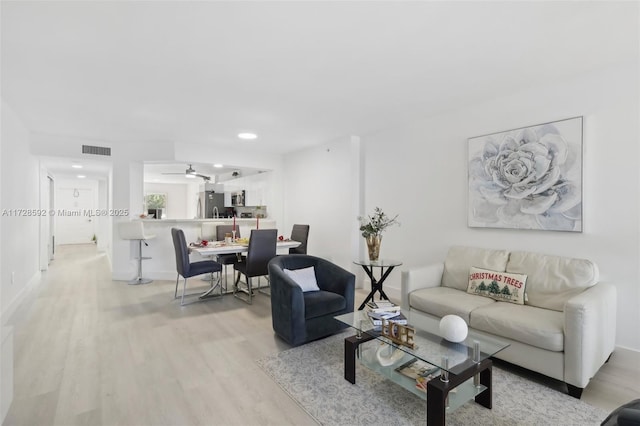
column 565, row 329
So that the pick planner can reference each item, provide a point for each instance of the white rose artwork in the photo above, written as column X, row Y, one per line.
column 528, row 178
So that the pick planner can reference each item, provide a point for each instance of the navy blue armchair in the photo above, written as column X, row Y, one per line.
column 300, row 317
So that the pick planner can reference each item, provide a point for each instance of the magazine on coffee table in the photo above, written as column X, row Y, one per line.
column 416, row 368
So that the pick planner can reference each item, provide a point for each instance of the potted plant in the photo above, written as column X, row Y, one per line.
column 372, row 227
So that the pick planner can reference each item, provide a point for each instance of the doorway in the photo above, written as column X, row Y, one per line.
column 75, row 215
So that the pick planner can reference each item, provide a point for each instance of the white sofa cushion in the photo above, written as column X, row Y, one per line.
column 552, row 280
column 534, row 326
column 461, row 259
column 441, row 301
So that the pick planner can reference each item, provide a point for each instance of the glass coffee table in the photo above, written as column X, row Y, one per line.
column 462, row 371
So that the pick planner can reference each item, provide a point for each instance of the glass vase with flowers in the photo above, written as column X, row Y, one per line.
column 372, row 227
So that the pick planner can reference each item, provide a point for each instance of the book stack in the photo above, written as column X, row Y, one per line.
column 382, row 306
column 381, row 311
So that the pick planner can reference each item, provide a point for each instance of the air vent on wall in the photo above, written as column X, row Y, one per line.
column 96, row 150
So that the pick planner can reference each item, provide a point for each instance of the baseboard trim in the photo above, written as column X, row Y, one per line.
column 626, row 348
column 6, row 371
column 22, row 294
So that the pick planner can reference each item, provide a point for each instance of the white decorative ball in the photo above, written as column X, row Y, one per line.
column 453, row 328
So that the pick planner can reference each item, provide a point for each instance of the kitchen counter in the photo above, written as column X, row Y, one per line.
column 162, row 265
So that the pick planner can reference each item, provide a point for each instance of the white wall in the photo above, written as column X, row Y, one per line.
column 320, row 189
column 19, row 233
column 419, row 171
column 103, row 223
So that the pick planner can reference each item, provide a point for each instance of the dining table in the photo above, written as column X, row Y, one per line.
column 215, row 248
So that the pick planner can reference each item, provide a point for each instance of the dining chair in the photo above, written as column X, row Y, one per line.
column 227, row 259
column 208, row 231
column 300, row 233
column 188, row 269
column 222, row 230
column 262, row 248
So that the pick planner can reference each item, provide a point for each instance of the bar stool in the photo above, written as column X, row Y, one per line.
column 134, row 230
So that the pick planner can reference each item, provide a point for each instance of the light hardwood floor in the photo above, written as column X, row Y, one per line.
column 91, row 351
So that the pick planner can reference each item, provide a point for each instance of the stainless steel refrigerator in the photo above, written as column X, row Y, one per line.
column 208, row 202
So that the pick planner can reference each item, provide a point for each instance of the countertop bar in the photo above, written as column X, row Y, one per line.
column 162, row 265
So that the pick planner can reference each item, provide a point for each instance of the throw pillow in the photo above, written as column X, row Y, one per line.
column 502, row 286
column 305, row 278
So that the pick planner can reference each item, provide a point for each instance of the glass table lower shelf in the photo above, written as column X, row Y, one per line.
column 367, row 356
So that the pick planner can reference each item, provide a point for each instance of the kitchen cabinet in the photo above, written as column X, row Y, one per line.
column 229, row 188
column 255, row 191
column 255, row 187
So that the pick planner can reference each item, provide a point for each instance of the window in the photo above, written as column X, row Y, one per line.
column 156, row 203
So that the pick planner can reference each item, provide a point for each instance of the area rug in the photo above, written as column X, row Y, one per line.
column 312, row 375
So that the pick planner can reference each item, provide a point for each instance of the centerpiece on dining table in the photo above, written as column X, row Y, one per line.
column 372, row 227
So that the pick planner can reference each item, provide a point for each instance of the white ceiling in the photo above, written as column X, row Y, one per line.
column 296, row 73
column 63, row 168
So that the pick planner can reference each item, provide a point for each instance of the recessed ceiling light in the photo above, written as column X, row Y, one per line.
column 247, row 136
column 217, row 166
column 81, row 176
column 76, row 166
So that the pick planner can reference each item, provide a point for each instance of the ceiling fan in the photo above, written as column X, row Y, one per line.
column 190, row 173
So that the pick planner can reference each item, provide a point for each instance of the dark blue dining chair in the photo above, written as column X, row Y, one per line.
column 300, row 233
column 188, row 269
column 262, row 248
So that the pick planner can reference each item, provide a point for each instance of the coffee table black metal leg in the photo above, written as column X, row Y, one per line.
column 350, row 349
column 437, row 391
column 436, row 404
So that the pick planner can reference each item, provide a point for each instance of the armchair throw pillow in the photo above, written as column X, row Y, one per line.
column 501, row 286
column 305, row 278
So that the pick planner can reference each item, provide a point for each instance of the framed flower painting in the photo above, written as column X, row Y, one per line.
column 528, row 178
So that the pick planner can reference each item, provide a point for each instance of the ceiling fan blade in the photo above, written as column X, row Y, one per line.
column 190, row 172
